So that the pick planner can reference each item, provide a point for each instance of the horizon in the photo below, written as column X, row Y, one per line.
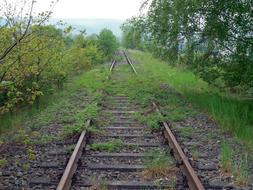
column 91, row 25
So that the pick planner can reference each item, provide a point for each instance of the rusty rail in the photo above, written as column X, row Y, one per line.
column 192, row 178
column 113, row 65
column 130, row 63
column 66, row 180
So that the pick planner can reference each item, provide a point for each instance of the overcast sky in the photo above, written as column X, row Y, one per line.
column 112, row 9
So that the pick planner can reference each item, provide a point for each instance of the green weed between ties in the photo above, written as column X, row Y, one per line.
column 110, row 146
column 153, row 120
column 159, row 164
column 69, row 149
column 80, row 120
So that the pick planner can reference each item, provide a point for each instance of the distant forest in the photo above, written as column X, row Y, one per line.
column 92, row 26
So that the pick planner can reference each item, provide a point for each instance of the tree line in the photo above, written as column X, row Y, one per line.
column 213, row 38
column 36, row 58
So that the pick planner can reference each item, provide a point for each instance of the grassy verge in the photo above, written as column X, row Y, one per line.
column 67, row 108
column 233, row 115
column 157, row 82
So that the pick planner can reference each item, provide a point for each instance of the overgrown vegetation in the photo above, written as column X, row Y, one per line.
column 152, row 120
column 237, row 167
column 213, row 38
column 63, row 114
column 153, row 84
column 233, row 115
column 36, row 59
column 158, row 164
column 79, row 121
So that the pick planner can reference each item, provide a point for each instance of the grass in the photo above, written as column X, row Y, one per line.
column 185, row 132
column 233, row 115
column 152, row 120
column 235, row 165
column 195, row 153
column 66, row 108
column 69, row 149
column 226, row 158
column 110, row 146
column 158, row 164
column 79, row 120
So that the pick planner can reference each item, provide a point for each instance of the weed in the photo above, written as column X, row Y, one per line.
column 153, row 120
column 158, row 164
column 226, row 158
column 194, row 153
column 43, row 139
column 185, row 132
column 99, row 186
column 69, row 149
column 232, row 113
column 93, row 130
column 111, row 146
column 26, row 167
column 3, row 163
column 31, row 154
column 17, row 160
column 241, row 171
column 80, row 119
column 1, row 142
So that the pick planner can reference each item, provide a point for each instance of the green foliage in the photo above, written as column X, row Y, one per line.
column 68, row 107
column 233, row 114
column 153, row 121
column 213, row 38
column 111, row 146
column 133, row 33
column 107, row 43
column 36, row 58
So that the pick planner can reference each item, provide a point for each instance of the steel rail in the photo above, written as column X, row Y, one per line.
column 113, row 65
column 130, row 63
column 192, row 178
column 66, row 180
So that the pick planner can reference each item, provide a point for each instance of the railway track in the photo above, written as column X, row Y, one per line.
column 95, row 168
column 117, row 157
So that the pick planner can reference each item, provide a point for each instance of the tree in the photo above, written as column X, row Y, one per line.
column 214, row 38
column 133, row 35
column 36, row 58
column 107, row 43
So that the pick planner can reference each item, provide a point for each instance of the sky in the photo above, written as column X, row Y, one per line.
column 107, row 9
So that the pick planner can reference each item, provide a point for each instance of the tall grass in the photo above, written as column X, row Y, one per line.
column 232, row 114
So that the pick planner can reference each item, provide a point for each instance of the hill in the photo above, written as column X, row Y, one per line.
column 92, row 25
